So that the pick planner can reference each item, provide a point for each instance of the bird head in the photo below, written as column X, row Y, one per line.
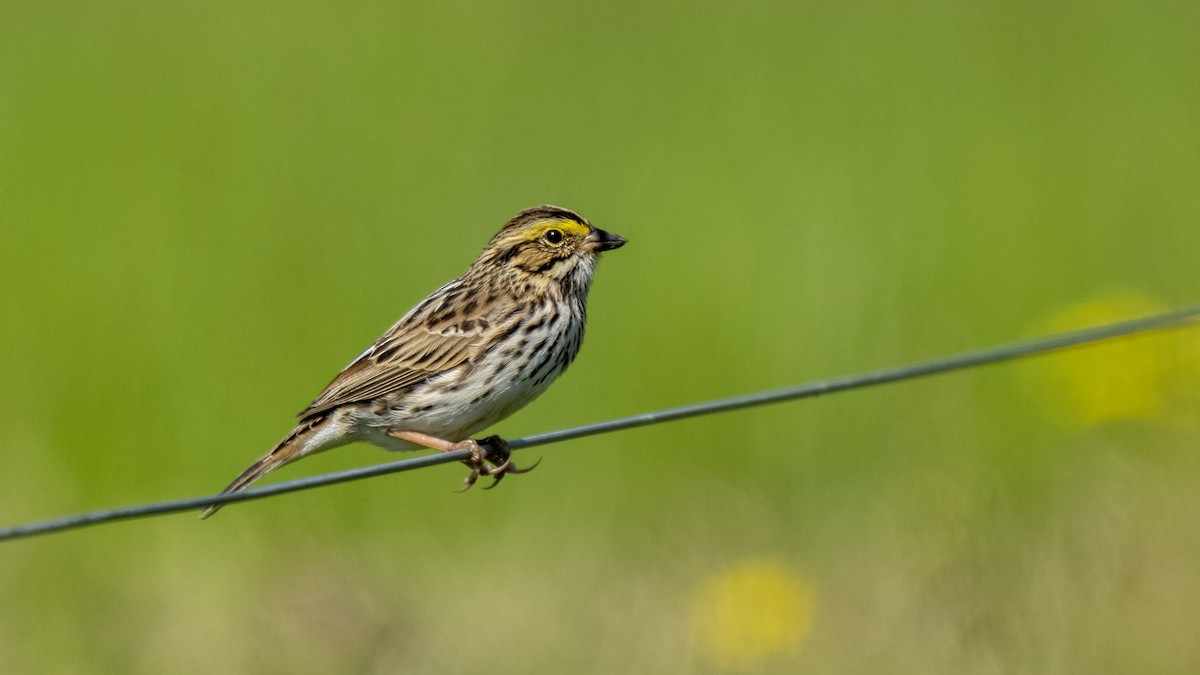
column 548, row 245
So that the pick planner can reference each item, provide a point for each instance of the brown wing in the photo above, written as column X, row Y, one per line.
column 428, row 341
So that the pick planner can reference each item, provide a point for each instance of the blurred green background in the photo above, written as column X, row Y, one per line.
column 209, row 208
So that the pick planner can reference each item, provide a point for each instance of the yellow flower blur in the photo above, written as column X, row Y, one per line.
column 751, row 612
column 1121, row 379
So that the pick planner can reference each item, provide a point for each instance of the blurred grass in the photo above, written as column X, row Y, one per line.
column 208, row 209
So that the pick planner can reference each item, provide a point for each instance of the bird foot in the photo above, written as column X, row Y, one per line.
column 489, row 457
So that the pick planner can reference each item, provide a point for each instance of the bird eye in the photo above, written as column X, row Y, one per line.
column 553, row 237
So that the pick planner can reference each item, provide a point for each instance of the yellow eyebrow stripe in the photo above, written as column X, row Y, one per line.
column 568, row 227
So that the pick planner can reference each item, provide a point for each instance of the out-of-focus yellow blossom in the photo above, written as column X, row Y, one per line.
column 1121, row 379
column 751, row 612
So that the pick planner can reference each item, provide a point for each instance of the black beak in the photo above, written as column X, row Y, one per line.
column 605, row 241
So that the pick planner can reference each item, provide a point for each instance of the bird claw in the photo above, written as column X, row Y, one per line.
column 490, row 457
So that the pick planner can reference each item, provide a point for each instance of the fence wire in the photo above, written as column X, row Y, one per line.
column 997, row 354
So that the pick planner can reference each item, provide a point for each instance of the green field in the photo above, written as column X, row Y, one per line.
column 209, row 208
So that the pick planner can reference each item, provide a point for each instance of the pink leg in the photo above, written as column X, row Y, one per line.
column 431, row 442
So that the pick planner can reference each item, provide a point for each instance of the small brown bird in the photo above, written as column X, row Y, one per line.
column 472, row 353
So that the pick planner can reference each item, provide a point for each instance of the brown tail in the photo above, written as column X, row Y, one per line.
column 287, row 450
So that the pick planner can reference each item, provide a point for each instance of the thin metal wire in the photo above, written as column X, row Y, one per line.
column 1008, row 352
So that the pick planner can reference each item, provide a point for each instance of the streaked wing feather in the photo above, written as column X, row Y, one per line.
column 411, row 352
